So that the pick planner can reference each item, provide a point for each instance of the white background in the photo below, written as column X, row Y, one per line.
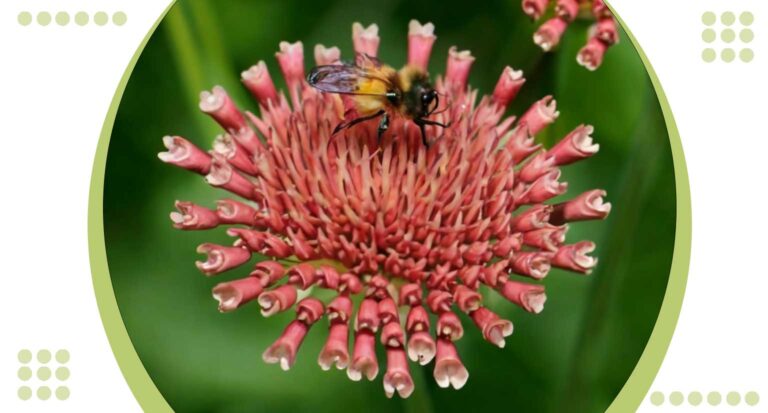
column 58, row 83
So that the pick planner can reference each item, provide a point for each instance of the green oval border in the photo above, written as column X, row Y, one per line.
column 150, row 398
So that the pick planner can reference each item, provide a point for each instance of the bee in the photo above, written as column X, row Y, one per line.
column 379, row 91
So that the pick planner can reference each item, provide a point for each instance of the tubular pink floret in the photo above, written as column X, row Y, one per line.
column 291, row 61
column 236, row 155
column 222, row 108
column 392, row 334
column 532, row 264
column 367, row 316
column 284, row 350
column 530, row 297
column 418, row 320
column 363, row 357
column 398, row 377
column 494, row 328
column 193, row 216
column 537, row 166
column 576, row 146
column 410, row 294
column 185, row 154
column 328, row 277
column 302, row 275
column 574, row 257
column 420, row 41
column 327, row 55
column 221, row 258
column 259, row 83
column 421, row 347
column 548, row 239
column 230, row 211
column 335, row 349
column 340, row 309
column 607, row 30
column 544, row 188
column 234, row 294
column 509, row 84
column 439, row 301
column 535, row 8
column 222, row 175
column 365, row 39
column 268, row 272
column 458, row 67
column 449, row 326
column 535, row 217
column 542, row 113
column 548, row 35
column 567, row 9
column 277, row 300
column 388, row 311
column 600, row 9
column 589, row 205
column 591, row 55
column 513, row 242
column 309, row 310
column 466, row 299
column 449, row 371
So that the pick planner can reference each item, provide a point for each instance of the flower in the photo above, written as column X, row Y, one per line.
column 407, row 229
column 603, row 34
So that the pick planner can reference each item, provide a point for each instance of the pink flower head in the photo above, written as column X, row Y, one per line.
column 603, row 34
column 406, row 228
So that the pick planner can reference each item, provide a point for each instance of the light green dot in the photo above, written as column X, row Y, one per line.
column 25, row 356
column 727, row 55
column 746, row 55
column 752, row 398
column 746, row 35
column 676, row 398
column 62, row 356
column 746, row 18
column 62, row 373
column 43, row 373
column 43, row 356
column 24, row 18
column 119, row 18
column 100, row 18
column 62, row 18
column 43, row 393
column 25, row 393
column 733, row 398
column 728, row 35
column 43, row 18
column 728, row 18
column 62, row 393
column 25, row 373
column 81, row 18
column 708, row 35
column 694, row 398
column 708, row 55
column 708, row 18
column 714, row 398
column 657, row 398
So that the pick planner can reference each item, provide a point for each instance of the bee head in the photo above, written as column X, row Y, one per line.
column 427, row 98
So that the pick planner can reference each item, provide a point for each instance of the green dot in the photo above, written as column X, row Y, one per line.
column 746, row 55
column 746, row 35
column 708, row 18
column 62, row 393
column 81, row 18
column 733, row 398
column 43, row 393
column 43, row 373
column 62, row 356
column 25, row 373
column 708, row 35
column 728, row 35
column 62, row 18
column 746, row 18
column 751, row 398
column 694, row 398
column 714, row 398
column 657, row 398
column 727, row 18
column 43, row 356
column 25, row 393
column 119, row 18
column 727, row 55
column 24, row 18
column 708, row 55
column 100, row 18
column 62, row 373
column 676, row 398
column 25, row 356
column 43, row 18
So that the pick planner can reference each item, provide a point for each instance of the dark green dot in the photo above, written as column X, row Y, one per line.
column 25, row 373
column 62, row 393
column 714, row 398
column 24, row 18
column 100, row 18
column 81, row 18
column 62, row 18
column 43, row 393
column 43, row 18
column 25, row 356
column 43, row 356
column 657, row 398
column 694, row 398
column 25, row 393
column 676, row 398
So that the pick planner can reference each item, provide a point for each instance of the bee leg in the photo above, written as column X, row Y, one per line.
column 342, row 126
column 431, row 122
column 383, row 126
column 420, row 122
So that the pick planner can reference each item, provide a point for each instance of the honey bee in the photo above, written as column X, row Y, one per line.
column 379, row 91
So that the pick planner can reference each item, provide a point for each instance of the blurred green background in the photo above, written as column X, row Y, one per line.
column 574, row 357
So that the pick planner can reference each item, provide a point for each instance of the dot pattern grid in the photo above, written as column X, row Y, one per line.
column 80, row 18
column 730, row 31
column 50, row 371
column 712, row 398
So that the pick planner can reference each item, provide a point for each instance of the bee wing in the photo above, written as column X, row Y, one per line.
column 346, row 79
